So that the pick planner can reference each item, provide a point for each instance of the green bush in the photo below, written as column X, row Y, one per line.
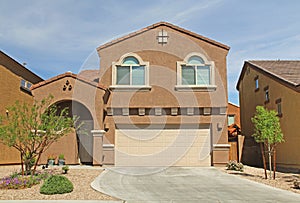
column 235, row 166
column 56, row 184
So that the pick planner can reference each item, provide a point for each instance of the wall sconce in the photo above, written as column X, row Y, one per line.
column 106, row 127
column 7, row 113
column 219, row 126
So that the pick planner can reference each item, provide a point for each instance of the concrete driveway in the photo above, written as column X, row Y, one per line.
column 177, row 184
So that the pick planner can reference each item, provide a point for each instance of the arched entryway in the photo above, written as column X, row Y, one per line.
column 83, row 134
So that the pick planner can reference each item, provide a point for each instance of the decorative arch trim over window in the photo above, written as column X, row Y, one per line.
column 129, row 73
column 195, row 73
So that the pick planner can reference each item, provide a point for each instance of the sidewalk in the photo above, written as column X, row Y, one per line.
column 58, row 201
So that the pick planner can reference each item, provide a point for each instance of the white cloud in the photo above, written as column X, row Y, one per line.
column 56, row 36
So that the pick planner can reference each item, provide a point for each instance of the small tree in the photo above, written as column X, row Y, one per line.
column 268, row 133
column 31, row 129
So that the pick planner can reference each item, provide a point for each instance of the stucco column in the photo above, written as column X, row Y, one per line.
column 97, row 146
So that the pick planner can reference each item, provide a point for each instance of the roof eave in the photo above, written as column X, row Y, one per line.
column 241, row 75
column 177, row 28
column 32, row 73
column 67, row 74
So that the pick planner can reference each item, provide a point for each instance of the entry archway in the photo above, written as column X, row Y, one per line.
column 83, row 133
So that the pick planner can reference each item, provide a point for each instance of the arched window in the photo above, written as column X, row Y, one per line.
column 130, row 70
column 195, row 72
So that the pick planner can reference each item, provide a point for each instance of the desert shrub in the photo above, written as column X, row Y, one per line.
column 17, row 181
column 65, row 169
column 235, row 166
column 56, row 184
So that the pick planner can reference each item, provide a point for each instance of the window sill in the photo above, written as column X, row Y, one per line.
column 204, row 88
column 129, row 88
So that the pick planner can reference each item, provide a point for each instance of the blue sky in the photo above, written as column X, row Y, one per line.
column 56, row 36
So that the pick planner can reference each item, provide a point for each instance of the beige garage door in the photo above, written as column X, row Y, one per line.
column 162, row 146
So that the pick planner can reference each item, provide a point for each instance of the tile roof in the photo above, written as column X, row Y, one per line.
column 288, row 71
column 163, row 24
column 285, row 71
column 68, row 74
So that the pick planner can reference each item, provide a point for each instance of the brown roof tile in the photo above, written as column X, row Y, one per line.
column 168, row 25
column 288, row 71
column 285, row 71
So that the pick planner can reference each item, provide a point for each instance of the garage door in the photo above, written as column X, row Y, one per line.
column 162, row 146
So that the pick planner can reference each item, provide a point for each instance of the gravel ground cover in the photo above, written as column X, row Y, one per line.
column 283, row 181
column 81, row 177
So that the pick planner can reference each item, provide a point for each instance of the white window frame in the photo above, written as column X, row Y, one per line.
column 267, row 94
column 279, row 107
column 256, row 83
column 27, row 85
column 115, row 65
column 230, row 116
column 183, row 87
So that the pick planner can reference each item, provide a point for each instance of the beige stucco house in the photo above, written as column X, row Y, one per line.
column 159, row 98
column 275, row 85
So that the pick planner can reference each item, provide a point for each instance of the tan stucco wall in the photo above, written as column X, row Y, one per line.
column 162, row 61
column 86, row 94
column 89, row 96
column 67, row 146
column 234, row 110
column 287, row 152
column 162, row 79
column 10, row 92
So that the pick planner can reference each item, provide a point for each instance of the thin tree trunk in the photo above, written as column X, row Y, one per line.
column 274, row 162
column 36, row 163
column 264, row 158
column 270, row 159
column 22, row 164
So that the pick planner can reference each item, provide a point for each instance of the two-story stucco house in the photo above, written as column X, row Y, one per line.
column 158, row 99
column 275, row 85
column 168, row 97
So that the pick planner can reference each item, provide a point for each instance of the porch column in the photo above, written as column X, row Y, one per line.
column 98, row 147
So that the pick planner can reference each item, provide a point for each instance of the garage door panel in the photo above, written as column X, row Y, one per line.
column 162, row 147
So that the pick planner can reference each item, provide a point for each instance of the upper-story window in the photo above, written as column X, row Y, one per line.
column 195, row 72
column 24, row 84
column 267, row 94
column 231, row 119
column 130, row 72
column 256, row 83
column 279, row 108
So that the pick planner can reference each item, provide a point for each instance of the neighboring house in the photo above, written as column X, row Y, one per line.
column 275, row 85
column 233, row 114
column 15, row 83
column 235, row 138
column 158, row 99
